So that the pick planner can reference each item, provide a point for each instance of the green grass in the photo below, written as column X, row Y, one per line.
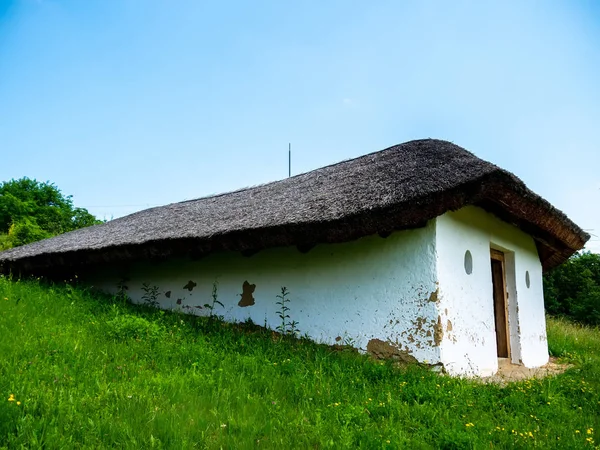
column 91, row 372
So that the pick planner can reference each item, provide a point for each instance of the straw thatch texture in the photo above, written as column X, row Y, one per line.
column 401, row 187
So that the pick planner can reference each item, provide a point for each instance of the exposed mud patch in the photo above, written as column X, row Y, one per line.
column 509, row 373
column 385, row 350
column 434, row 296
column 438, row 332
column 190, row 285
column 247, row 297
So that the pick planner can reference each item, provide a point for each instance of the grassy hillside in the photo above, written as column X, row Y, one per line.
column 86, row 371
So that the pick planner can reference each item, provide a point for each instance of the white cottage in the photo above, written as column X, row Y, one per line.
column 420, row 252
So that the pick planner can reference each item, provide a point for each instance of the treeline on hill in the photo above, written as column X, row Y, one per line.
column 31, row 211
column 573, row 289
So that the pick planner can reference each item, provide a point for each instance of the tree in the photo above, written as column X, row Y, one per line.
column 573, row 289
column 31, row 210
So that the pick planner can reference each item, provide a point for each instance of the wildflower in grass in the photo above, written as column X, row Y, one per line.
column 5, row 298
column 577, row 431
column 18, row 403
column 469, row 425
column 589, row 430
column 11, row 398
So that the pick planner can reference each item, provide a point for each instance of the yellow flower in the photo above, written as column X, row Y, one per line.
column 18, row 403
column 5, row 298
column 590, row 431
column 469, row 425
column 577, row 431
column 11, row 398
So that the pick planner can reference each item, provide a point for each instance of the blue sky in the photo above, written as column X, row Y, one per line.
column 130, row 104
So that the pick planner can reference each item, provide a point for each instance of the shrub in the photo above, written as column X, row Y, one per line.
column 31, row 210
column 5, row 241
column 26, row 231
column 573, row 289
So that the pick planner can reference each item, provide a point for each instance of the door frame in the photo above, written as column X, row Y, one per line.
column 500, row 303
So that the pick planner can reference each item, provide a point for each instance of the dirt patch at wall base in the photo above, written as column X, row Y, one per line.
column 509, row 373
column 385, row 350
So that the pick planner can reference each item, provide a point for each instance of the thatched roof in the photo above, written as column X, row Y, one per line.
column 397, row 188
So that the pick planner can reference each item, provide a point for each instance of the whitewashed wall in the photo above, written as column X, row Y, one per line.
column 375, row 289
column 406, row 295
column 466, row 301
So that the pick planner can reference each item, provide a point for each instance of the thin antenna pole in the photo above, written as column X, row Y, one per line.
column 290, row 159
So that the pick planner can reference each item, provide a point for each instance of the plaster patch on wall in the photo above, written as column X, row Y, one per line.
column 247, row 291
column 387, row 350
column 438, row 332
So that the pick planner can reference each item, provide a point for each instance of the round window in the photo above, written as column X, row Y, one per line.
column 527, row 280
column 468, row 262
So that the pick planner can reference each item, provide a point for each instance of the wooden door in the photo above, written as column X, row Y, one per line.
column 500, row 304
